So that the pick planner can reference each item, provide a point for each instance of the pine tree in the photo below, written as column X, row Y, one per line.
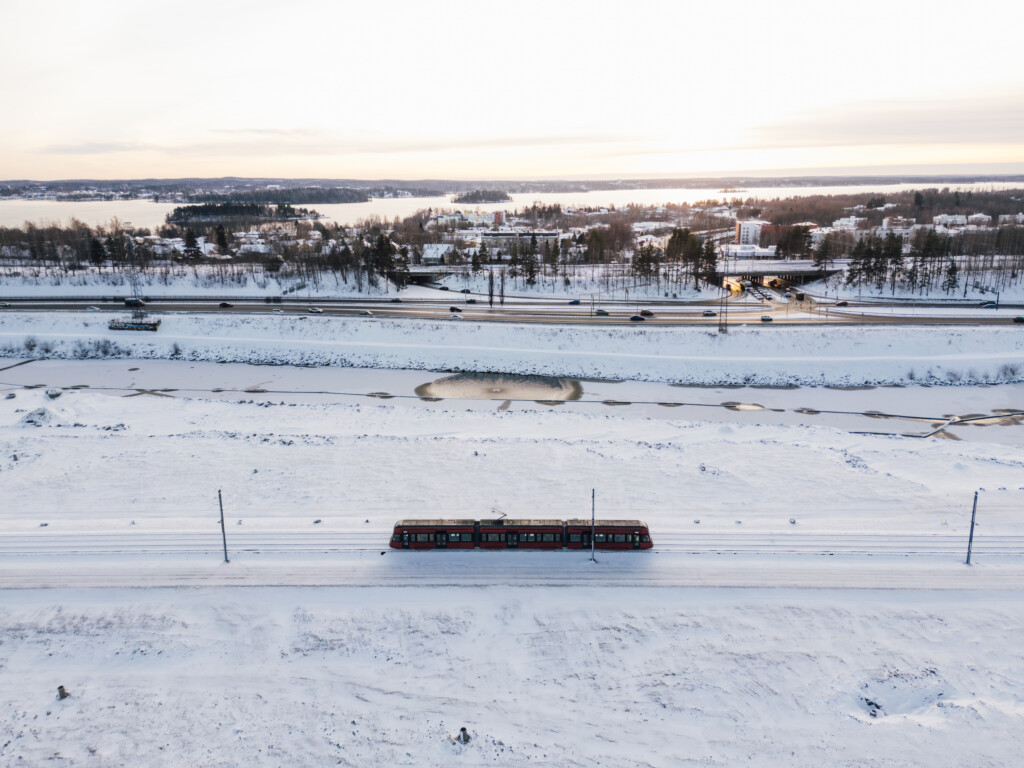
column 192, row 250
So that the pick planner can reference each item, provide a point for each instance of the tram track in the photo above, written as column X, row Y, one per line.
column 31, row 544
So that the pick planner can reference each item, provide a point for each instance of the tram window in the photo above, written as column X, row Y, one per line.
column 599, row 538
column 494, row 537
column 466, row 536
column 574, row 538
column 397, row 537
column 421, row 537
column 619, row 538
column 644, row 538
column 549, row 537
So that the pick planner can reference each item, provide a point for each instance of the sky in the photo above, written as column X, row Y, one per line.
column 516, row 90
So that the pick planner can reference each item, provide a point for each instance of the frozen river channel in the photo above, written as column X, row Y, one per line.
column 996, row 412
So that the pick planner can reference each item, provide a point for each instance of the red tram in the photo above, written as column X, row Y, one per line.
column 520, row 534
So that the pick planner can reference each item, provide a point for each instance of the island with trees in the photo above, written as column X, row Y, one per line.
column 482, row 196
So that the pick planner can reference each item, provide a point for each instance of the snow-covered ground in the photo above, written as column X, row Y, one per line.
column 883, row 658
column 565, row 677
column 814, row 355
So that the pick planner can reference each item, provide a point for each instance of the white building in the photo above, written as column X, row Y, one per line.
column 979, row 219
column 949, row 220
column 747, row 251
column 1011, row 219
column 749, row 232
column 850, row 222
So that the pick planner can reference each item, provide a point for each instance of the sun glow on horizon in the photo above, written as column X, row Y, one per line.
column 125, row 90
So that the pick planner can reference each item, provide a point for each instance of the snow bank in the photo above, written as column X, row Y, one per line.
column 746, row 355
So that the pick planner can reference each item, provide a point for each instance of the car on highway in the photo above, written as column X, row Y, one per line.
column 226, row 305
column 1018, row 319
column 396, row 301
column 574, row 303
column 365, row 313
column 92, row 309
column 454, row 309
column 800, row 297
column 133, row 302
column 442, row 287
column 766, row 318
column 4, row 305
column 637, row 319
column 316, row 310
column 788, row 295
column 455, row 317
column 842, row 303
column 277, row 311
column 471, row 301
column 988, row 305
column 709, row 313
column 601, row 312
column 465, row 290
column 646, row 313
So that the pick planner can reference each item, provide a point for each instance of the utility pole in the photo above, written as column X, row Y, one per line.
column 593, row 527
column 223, row 533
column 970, row 539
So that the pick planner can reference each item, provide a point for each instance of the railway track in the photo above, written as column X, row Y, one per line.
column 327, row 541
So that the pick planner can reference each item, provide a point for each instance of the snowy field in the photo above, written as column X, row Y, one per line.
column 870, row 657
column 812, row 355
column 540, row 677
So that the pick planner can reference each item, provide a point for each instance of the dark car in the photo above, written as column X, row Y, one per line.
column 601, row 312
column 842, row 303
column 454, row 309
column 709, row 313
column 442, row 288
column 226, row 305
column 134, row 303
column 646, row 313
column 574, row 303
column 1018, row 319
column 637, row 319
column 471, row 301
column 799, row 297
column 465, row 290
column 988, row 305
column 396, row 301
column 766, row 318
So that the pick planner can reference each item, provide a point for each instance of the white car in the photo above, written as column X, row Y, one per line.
column 92, row 309
column 277, row 311
column 316, row 310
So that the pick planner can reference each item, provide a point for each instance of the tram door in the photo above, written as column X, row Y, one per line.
column 636, row 539
column 512, row 539
column 441, row 539
column 586, row 540
column 405, row 539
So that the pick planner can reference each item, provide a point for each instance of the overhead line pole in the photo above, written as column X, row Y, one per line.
column 223, row 533
column 593, row 527
column 970, row 539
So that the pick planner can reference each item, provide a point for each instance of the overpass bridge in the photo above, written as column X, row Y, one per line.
column 791, row 270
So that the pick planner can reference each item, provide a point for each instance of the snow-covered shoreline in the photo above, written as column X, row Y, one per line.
column 808, row 356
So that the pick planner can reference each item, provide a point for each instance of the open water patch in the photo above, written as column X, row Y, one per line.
column 502, row 386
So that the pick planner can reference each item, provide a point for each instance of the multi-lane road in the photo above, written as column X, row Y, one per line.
column 741, row 308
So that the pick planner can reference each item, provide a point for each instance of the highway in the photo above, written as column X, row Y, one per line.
column 742, row 308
